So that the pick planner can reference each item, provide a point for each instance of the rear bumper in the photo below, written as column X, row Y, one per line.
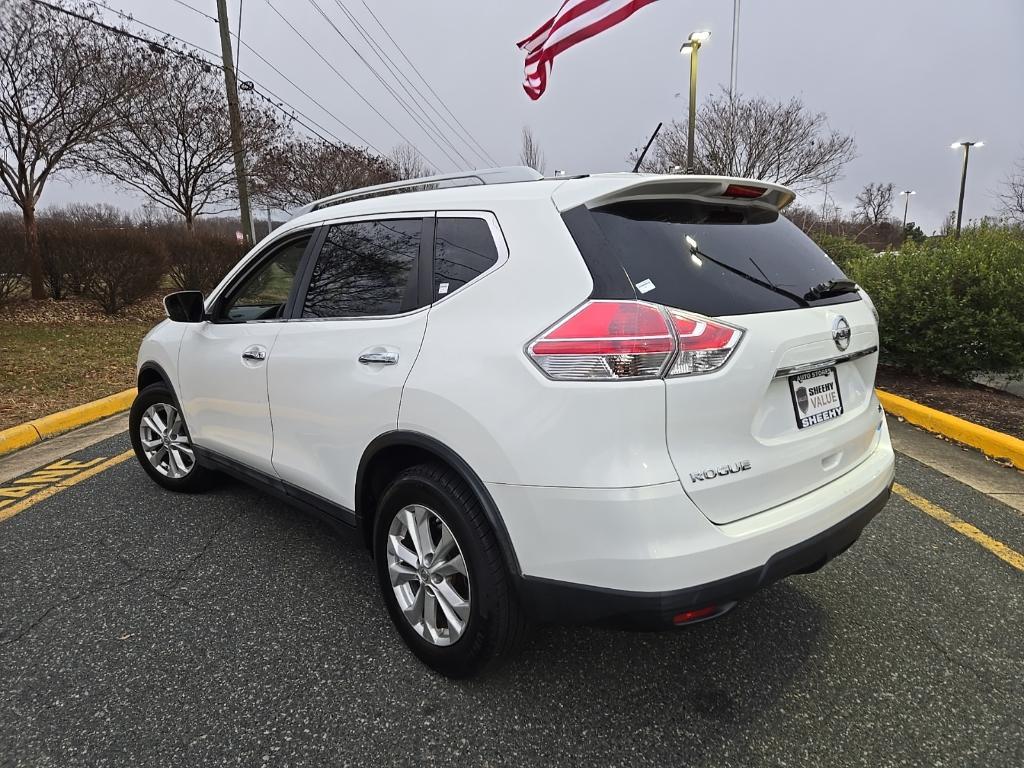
column 561, row 602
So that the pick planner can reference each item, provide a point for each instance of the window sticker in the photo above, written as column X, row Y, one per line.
column 442, row 289
column 645, row 286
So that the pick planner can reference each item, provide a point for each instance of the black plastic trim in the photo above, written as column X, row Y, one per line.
column 560, row 602
column 304, row 500
column 611, row 280
column 446, row 454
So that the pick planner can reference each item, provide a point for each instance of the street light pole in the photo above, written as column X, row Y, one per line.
column 906, row 204
column 963, row 177
column 692, row 47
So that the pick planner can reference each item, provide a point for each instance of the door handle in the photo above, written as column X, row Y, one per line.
column 383, row 358
column 254, row 354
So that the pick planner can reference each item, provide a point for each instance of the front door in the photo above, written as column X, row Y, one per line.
column 338, row 369
column 223, row 362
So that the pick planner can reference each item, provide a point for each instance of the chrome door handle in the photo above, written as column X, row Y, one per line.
column 383, row 358
column 255, row 354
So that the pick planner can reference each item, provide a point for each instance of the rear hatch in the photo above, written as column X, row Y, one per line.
column 792, row 408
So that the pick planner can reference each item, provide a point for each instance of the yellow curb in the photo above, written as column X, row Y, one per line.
column 33, row 431
column 995, row 444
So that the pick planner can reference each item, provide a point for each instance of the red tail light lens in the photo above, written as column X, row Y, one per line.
column 704, row 345
column 606, row 340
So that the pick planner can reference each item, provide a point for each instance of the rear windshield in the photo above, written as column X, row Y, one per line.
column 711, row 258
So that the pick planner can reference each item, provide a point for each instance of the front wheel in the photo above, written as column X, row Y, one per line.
column 162, row 443
column 441, row 574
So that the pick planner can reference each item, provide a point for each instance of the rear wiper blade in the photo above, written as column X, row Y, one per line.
column 694, row 249
column 831, row 288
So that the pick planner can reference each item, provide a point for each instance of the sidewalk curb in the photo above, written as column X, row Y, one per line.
column 992, row 443
column 31, row 432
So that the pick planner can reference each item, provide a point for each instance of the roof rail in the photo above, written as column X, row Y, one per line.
column 505, row 175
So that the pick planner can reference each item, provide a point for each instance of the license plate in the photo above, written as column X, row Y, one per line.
column 816, row 397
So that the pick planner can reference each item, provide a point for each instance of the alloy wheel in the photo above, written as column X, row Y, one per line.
column 165, row 441
column 428, row 575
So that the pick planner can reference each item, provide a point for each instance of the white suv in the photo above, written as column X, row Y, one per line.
column 621, row 399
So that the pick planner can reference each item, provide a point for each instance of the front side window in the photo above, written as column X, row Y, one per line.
column 463, row 249
column 365, row 268
column 263, row 295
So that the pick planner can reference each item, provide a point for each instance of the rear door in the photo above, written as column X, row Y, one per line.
column 792, row 408
column 336, row 376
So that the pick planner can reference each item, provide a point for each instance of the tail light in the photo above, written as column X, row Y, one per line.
column 704, row 345
column 604, row 340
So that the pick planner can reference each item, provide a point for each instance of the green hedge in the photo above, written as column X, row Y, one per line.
column 841, row 250
column 950, row 307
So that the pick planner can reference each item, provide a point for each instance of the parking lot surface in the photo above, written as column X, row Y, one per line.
column 138, row 627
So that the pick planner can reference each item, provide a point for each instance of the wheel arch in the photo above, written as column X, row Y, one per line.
column 390, row 453
column 152, row 373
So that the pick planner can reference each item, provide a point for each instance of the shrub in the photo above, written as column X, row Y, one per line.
column 118, row 267
column 841, row 250
column 59, row 229
column 950, row 307
column 199, row 261
column 12, row 258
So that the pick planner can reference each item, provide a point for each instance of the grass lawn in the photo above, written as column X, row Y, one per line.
column 46, row 367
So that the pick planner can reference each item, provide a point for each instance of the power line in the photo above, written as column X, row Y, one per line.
column 426, row 83
column 291, row 110
column 345, row 80
column 195, row 10
column 281, row 105
column 397, row 74
column 387, row 87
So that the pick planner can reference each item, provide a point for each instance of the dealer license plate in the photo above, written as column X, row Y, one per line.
column 816, row 397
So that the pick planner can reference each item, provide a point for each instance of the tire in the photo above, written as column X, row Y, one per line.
column 493, row 624
column 171, row 462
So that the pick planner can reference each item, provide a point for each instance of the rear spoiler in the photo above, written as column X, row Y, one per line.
column 597, row 191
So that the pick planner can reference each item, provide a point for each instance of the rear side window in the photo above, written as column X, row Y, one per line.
column 747, row 259
column 364, row 269
column 463, row 249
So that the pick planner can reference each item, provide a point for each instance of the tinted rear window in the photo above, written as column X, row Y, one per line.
column 463, row 249
column 644, row 243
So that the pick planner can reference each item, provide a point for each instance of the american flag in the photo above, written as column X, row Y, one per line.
column 576, row 21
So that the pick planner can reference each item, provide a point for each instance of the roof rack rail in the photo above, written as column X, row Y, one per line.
column 505, row 175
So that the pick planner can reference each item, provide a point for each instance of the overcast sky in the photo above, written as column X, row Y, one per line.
column 904, row 77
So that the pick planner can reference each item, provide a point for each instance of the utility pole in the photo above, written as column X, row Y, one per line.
column 235, row 116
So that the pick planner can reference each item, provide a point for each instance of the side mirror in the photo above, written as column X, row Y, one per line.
column 185, row 306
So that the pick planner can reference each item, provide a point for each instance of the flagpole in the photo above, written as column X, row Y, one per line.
column 735, row 47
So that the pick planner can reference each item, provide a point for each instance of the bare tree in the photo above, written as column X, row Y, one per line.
column 874, row 203
column 530, row 154
column 60, row 77
column 408, row 163
column 172, row 142
column 778, row 141
column 1011, row 193
column 302, row 169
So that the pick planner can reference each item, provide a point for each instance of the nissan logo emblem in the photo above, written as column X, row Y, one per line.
column 841, row 333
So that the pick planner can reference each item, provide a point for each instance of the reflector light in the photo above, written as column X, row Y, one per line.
column 743, row 190
column 695, row 615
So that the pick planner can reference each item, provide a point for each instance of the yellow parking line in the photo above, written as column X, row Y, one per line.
column 997, row 548
column 60, row 485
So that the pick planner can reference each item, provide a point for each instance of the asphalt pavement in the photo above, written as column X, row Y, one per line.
column 143, row 628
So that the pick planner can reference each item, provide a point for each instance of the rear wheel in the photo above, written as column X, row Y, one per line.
column 161, row 441
column 441, row 573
